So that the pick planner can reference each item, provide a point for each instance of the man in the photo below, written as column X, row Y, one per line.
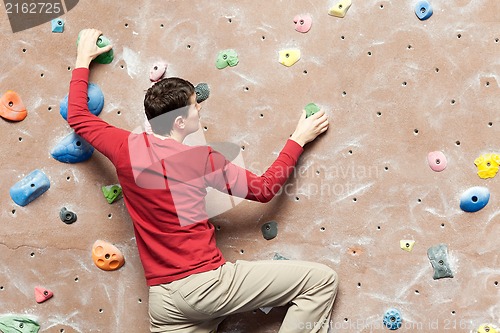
column 192, row 287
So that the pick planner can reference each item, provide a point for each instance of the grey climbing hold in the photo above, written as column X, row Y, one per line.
column 202, row 91
column 269, row 230
column 18, row 324
column 67, row 216
column 438, row 255
column 278, row 256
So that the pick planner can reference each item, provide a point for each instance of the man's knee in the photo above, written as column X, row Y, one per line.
column 331, row 279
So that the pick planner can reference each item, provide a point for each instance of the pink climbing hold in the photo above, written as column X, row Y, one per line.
column 302, row 22
column 42, row 294
column 437, row 161
column 157, row 72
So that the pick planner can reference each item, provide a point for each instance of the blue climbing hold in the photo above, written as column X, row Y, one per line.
column 72, row 149
column 57, row 25
column 392, row 319
column 423, row 10
column 29, row 188
column 474, row 199
column 95, row 101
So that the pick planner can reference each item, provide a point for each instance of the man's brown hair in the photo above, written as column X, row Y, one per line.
column 166, row 100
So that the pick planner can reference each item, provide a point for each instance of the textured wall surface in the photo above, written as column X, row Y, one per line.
column 395, row 87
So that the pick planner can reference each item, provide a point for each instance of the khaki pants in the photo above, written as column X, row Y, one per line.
column 198, row 303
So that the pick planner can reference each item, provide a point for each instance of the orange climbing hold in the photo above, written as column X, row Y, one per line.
column 106, row 256
column 11, row 107
column 42, row 294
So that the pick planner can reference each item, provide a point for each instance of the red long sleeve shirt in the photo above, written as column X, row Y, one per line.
column 164, row 187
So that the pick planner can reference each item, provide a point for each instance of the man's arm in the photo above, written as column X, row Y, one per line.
column 97, row 132
column 232, row 179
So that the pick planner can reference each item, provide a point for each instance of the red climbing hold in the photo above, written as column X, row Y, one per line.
column 11, row 107
column 42, row 294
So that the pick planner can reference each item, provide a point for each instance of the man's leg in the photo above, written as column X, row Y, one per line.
column 198, row 303
column 309, row 287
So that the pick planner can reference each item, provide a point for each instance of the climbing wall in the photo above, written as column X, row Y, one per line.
column 395, row 87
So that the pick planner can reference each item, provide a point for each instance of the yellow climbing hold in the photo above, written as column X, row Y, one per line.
column 289, row 57
column 487, row 328
column 340, row 8
column 487, row 165
column 406, row 244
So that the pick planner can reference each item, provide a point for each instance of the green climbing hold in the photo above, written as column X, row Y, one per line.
column 226, row 58
column 106, row 57
column 112, row 192
column 311, row 109
column 18, row 324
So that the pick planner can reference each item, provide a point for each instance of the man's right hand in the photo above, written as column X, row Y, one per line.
column 87, row 47
column 309, row 128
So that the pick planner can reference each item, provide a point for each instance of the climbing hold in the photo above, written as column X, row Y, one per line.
column 226, row 58
column 302, row 23
column 269, row 230
column 278, row 256
column 474, row 199
column 438, row 255
column 289, row 57
column 18, row 324
column 488, row 328
column 42, row 294
column 106, row 57
column 437, row 161
column 11, row 107
column 487, row 165
column 423, row 10
column 106, row 256
column 67, row 216
column 340, row 8
column 111, row 192
column 266, row 309
column 311, row 109
column 95, row 101
column 29, row 188
column 72, row 149
column 392, row 319
column 406, row 244
column 202, row 91
column 157, row 72
column 57, row 25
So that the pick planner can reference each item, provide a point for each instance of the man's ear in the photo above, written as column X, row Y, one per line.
column 179, row 123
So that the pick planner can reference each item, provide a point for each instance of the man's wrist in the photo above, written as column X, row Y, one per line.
column 83, row 62
column 298, row 140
